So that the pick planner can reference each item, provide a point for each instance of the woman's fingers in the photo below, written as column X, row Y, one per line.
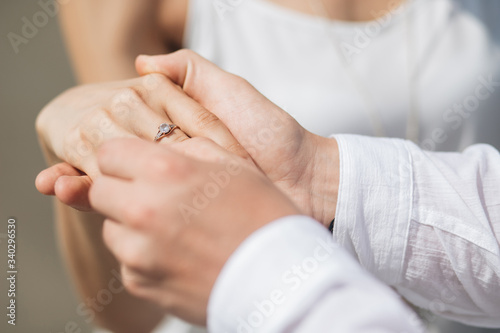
column 139, row 109
column 127, row 158
column 255, row 122
column 192, row 118
column 74, row 191
column 196, row 121
column 46, row 179
column 68, row 184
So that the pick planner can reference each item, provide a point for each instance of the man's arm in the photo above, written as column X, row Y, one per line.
column 227, row 259
column 289, row 276
column 426, row 223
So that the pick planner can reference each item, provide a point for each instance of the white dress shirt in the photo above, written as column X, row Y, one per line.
column 290, row 276
column 425, row 223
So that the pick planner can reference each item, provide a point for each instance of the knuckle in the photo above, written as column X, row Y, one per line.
column 186, row 53
column 128, row 96
column 156, row 77
column 154, row 81
column 237, row 83
column 236, row 148
column 77, row 146
column 206, row 120
column 160, row 166
column 138, row 215
column 165, row 168
column 132, row 258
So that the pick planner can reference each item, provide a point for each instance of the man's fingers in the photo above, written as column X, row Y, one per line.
column 123, row 158
column 177, row 66
column 112, row 197
column 202, row 149
column 196, row 121
column 251, row 117
column 132, row 249
column 208, row 151
column 134, row 158
column 46, row 179
column 74, row 191
column 195, row 74
column 122, row 241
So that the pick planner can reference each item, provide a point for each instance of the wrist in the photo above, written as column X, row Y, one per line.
column 323, row 174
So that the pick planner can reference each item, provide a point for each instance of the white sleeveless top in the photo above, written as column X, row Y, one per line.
column 292, row 59
column 445, row 53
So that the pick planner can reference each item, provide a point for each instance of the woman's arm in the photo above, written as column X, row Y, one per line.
column 94, row 270
column 103, row 39
column 104, row 36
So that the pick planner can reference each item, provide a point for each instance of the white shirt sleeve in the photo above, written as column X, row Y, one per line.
column 290, row 276
column 425, row 223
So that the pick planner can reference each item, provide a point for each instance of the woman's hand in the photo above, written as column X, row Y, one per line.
column 173, row 221
column 73, row 126
column 305, row 166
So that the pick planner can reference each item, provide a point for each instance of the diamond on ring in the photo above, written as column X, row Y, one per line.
column 165, row 130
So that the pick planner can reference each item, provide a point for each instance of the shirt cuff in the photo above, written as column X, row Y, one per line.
column 374, row 203
column 274, row 274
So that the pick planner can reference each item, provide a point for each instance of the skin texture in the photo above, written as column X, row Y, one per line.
column 103, row 38
column 145, row 221
column 298, row 162
column 129, row 108
column 303, row 165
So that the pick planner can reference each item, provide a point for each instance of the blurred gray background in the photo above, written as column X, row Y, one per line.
column 30, row 79
column 46, row 302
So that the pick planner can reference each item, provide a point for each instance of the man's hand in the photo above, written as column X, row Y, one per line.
column 173, row 221
column 305, row 166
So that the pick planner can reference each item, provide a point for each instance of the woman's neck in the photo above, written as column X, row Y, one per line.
column 344, row 10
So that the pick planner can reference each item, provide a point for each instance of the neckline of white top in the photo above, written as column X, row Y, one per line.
column 308, row 21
